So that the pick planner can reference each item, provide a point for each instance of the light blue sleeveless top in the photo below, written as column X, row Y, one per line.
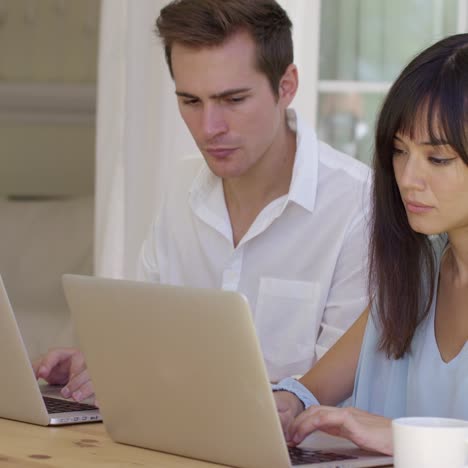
column 420, row 384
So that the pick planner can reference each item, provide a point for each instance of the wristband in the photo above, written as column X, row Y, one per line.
column 296, row 388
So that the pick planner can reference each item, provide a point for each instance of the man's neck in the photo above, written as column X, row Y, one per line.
column 270, row 179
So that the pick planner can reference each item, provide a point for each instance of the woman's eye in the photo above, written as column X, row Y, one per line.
column 397, row 151
column 440, row 161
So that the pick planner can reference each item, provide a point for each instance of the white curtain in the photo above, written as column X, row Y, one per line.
column 305, row 16
column 139, row 131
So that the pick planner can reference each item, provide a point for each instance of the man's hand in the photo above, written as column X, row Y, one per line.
column 65, row 366
column 366, row 430
column 288, row 406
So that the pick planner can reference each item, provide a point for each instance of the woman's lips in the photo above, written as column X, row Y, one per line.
column 417, row 208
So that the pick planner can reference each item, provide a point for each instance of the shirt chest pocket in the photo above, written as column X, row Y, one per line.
column 287, row 321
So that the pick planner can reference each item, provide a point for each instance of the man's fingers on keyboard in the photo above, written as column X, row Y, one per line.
column 85, row 391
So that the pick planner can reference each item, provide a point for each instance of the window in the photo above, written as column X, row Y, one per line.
column 363, row 46
column 348, row 53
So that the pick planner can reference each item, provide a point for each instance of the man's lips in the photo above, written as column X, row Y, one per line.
column 220, row 152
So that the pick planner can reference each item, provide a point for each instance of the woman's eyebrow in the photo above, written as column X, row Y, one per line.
column 435, row 142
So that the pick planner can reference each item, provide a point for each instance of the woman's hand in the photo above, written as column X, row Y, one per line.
column 366, row 430
column 288, row 406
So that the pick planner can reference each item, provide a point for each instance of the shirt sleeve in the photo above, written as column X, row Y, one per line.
column 348, row 294
column 148, row 268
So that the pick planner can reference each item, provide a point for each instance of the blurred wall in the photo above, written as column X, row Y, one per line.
column 48, row 51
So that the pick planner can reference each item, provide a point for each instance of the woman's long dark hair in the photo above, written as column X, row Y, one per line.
column 432, row 91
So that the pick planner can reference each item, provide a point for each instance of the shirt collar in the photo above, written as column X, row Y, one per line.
column 303, row 187
column 206, row 199
column 207, row 189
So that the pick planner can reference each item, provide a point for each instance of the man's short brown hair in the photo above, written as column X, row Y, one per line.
column 208, row 23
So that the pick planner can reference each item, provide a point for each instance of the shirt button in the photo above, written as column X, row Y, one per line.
column 230, row 279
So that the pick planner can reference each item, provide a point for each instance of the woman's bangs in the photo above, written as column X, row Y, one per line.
column 440, row 117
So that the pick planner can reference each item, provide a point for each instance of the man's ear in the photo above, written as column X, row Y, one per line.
column 288, row 85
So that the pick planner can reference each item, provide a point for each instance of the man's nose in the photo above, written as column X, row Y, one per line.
column 214, row 122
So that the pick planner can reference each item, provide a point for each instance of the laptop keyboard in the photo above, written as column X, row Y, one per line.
column 300, row 456
column 56, row 405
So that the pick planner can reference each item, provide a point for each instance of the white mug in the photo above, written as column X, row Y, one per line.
column 430, row 443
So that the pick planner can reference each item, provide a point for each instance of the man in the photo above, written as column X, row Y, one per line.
column 272, row 212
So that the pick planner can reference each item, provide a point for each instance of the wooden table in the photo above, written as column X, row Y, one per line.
column 84, row 445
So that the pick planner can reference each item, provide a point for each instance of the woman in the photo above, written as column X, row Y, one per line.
column 407, row 353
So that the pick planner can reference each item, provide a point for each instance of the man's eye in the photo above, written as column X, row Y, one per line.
column 190, row 101
column 235, row 99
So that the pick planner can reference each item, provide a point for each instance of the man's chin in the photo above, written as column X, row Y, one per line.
column 225, row 169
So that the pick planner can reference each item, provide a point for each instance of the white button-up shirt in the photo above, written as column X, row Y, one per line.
column 302, row 263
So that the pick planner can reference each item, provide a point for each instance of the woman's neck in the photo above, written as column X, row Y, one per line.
column 455, row 261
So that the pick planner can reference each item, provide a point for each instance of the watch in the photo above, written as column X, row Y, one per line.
column 296, row 388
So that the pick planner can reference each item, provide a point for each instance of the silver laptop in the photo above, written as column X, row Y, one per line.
column 180, row 370
column 20, row 395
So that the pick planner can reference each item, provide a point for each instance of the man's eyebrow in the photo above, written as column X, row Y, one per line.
column 435, row 142
column 228, row 92
column 185, row 95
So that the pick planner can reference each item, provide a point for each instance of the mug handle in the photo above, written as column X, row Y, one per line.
column 466, row 454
